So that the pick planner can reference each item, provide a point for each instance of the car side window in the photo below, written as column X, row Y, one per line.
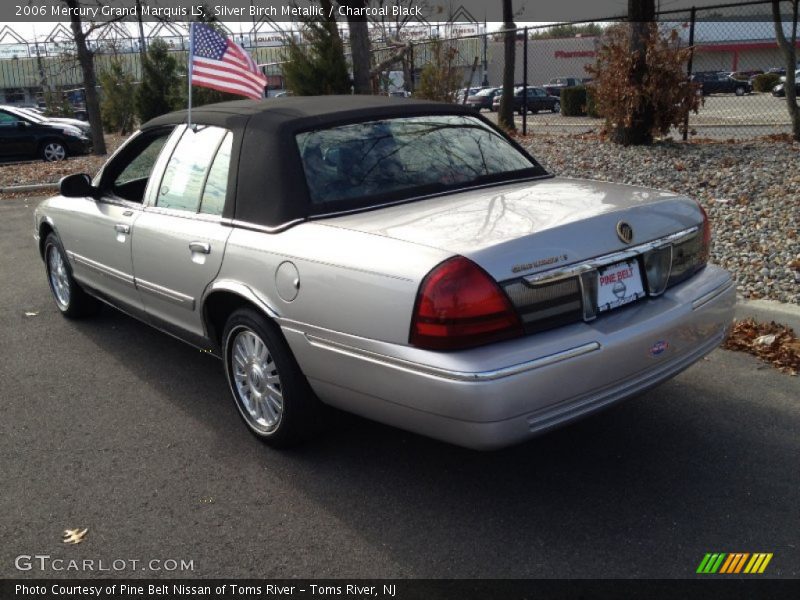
column 186, row 170
column 142, row 164
column 126, row 175
column 213, row 199
column 7, row 120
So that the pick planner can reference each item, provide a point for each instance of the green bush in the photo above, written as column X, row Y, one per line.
column 318, row 66
column 573, row 101
column 765, row 82
column 591, row 104
column 160, row 90
column 117, row 105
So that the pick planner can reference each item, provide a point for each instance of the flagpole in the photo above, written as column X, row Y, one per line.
column 191, row 54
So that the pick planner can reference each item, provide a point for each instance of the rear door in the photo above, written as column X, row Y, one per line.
column 539, row 99
column 180, row 239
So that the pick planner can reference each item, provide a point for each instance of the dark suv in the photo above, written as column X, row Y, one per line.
column 23, row 137
column 717, row 82
column 537, row 100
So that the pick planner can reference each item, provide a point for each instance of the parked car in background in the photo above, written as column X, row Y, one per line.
column 411, row 263
column 483, row 98
column 555, row 85
column 719, row 82
column 779, row 91
column 25, row 136
column 37, row 114
column 537, row 99
column 466, row 92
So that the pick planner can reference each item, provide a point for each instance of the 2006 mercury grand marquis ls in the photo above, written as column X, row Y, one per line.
column 403, row 260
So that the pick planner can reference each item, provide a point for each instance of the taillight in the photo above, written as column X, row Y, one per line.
column 706, row 251
column 689, row 256
column 460, row 306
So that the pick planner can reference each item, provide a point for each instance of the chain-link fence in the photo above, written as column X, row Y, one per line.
column 735, row 60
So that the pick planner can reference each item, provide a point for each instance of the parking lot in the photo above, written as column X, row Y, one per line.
column 112, row 426
column 722, row 116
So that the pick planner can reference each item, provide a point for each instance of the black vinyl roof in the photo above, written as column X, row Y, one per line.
column 300, row 112
column 269, row 187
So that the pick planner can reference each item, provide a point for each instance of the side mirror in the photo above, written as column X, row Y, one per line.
column 23, row 124
column 76, row 186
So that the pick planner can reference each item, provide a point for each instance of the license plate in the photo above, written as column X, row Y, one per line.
column 618, row 284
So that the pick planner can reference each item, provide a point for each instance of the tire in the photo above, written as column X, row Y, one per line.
column 69, row 297
column 52, row 151
column 270, row 391
column 739, row 91
column 556, row 107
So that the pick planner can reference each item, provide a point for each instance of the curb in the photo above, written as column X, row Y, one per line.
column 28, row 188
column 769, row 310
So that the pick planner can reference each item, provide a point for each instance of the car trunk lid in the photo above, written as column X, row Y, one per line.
column 526, row 228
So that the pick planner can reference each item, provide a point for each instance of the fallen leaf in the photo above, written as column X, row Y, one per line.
column 771, row 342
column 74, row 536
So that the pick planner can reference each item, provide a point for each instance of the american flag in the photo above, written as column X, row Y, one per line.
column 223, row 65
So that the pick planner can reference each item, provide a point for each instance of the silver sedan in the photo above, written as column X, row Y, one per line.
column 403, row 260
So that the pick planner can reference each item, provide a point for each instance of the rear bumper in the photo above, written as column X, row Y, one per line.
column 505, row 393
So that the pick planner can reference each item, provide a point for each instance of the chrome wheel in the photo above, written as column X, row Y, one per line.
column 258, row 384
column 54, row 151
column 59, row 278
column 557, row 107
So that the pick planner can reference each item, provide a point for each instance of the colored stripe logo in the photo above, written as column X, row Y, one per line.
column 735, row 562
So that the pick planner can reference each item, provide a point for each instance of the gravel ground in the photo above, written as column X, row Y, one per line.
column 751, row 191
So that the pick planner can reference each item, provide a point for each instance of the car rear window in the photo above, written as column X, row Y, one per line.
column 392, row 159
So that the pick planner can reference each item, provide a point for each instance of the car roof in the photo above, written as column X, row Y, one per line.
column 304, row 112
column 265, row 149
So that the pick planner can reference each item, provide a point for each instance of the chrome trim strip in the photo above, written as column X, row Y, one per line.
column 262, row 228
column 101, row 268
column 165, row 293
column 706, row 298
column 420, row 369
column 183, row 214
column 607, row 259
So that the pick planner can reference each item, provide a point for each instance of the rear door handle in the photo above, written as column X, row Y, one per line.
column 122, row 228
column 202, row 247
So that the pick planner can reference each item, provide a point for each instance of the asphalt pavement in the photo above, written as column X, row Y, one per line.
column 110, row 425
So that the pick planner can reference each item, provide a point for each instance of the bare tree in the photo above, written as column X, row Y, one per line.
column 505, row 116
column 641, row 14
column 789, row 52
column 86, row 62
column 359, row 46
